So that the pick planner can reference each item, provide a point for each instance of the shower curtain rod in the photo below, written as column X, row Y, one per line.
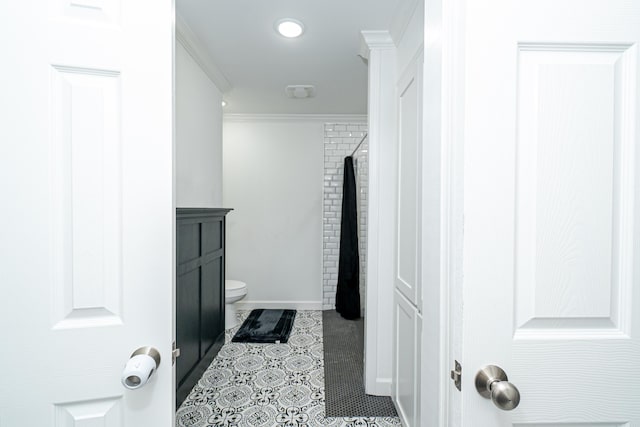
column 359, row 144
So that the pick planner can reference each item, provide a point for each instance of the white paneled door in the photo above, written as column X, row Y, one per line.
column 87, row 206
column 408, row 268
column 552, row 211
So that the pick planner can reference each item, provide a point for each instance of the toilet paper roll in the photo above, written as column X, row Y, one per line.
column 137, row 371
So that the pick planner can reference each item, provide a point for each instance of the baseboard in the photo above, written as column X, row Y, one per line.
column 382, row 387
column 293, row 305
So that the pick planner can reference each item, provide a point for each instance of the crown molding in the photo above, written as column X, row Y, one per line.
column 190, row 41
column 376, row 40
column 323, row 118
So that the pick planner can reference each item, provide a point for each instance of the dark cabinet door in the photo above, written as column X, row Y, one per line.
column 200, row 235
column 210, row 305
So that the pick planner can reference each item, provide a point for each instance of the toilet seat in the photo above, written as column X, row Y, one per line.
column 234, row 291
column 234, row 288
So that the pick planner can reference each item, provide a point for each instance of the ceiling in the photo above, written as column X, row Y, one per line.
column 240, row 38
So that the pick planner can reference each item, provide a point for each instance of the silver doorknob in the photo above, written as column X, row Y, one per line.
column 492, row 383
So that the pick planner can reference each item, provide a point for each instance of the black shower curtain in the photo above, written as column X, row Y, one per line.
column 348, row 290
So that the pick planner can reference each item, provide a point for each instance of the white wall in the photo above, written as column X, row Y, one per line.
column 273, row 179
column 198, row 135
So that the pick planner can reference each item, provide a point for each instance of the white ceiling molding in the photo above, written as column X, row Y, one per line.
column 401, row 18
column 192, row 44
column 324, row 118
column 375, row 40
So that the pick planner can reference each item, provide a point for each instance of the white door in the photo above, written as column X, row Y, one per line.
column 86, row 252
column 408, row 272
column 552, row 210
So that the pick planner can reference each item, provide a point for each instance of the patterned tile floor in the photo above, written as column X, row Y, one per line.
column 268, row 385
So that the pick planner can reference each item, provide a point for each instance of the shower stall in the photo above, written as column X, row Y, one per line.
column 342, row 140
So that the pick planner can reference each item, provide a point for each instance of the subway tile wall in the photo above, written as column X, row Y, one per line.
column 340, row 139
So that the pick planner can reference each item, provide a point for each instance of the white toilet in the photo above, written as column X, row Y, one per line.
column 234, row 290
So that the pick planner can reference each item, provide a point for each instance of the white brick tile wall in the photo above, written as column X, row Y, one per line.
column 339, row 141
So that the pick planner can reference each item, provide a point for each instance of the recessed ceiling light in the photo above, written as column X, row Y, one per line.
column 290, row 28
column 224, row 103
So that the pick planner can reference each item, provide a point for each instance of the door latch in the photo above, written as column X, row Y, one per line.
column 456, row 375
column 175, row 353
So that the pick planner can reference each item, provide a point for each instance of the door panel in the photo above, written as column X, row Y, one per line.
column 406, row 360
column 211, row 303
column 86, row 214
column 188, row 321
column 102, row 412
column 551, row 211
column 87, row 188
column 409, row 179
column 575, row 189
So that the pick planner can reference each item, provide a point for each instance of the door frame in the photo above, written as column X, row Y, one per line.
column 443, row 117
column 445, row 35
column 444, row 58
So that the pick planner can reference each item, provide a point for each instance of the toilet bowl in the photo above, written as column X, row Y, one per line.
column 234, row 290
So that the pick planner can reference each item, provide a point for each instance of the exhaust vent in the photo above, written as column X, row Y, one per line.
column 300, row 91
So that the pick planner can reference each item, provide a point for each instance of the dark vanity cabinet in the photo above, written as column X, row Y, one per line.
column 200, row 248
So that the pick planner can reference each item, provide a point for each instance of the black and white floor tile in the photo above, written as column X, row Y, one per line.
column 268, row 385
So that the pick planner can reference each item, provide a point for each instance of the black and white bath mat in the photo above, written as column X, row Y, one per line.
column 266, row 326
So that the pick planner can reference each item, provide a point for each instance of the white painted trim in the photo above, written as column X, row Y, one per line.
column 292, row 305
column 383, row 386
column 401, row 19
column 174, row 242
column 321, row 242
column 371, row 303
column 452, row 184
column 379, row 295
column 323, row 118
column 444, row 44
column 376, row 40
column 190, row 41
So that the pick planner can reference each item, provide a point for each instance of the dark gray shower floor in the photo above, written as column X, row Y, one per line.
column 344, row 371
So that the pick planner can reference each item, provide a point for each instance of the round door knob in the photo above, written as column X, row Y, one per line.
column 505, row 395
column 492, row 383
column 140, row 367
